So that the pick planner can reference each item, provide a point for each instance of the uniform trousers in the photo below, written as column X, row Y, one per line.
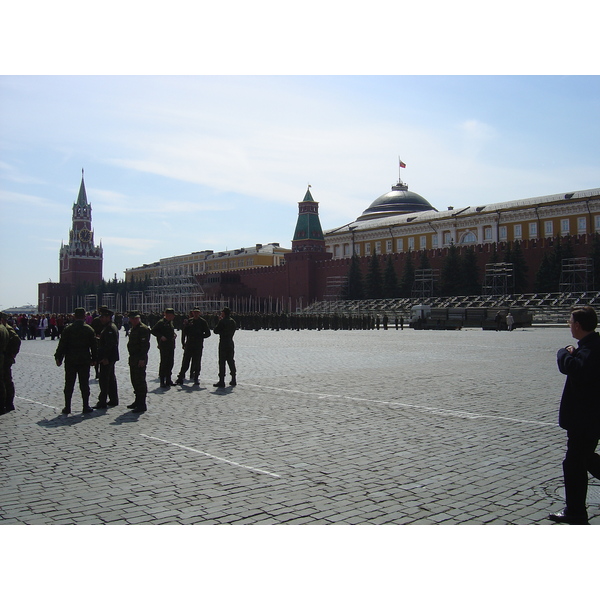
column 226, row 354
column 108, row 384
column 191, row 354
column 138, row 380
column 73, row 372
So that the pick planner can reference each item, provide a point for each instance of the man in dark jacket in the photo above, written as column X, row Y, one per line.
column 77, row 346
column 579, row 413
column 108, row 355
column 194, row 332
column 225, row 329
column 165, row 334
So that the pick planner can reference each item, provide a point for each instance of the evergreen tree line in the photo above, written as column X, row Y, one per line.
column 113, row 286
column 460, row 275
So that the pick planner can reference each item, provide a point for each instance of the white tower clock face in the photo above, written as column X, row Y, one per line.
column 85, row 235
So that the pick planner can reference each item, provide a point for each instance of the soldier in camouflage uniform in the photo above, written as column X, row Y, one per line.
column 77, row 346
column 165, row 334
column 195, row 331
column 138, row 347
column 12, row 349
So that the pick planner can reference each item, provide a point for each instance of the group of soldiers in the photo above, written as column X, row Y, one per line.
column 82, row 346
column 96, row 344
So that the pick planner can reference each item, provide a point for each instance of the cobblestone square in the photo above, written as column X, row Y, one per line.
column 324, row 427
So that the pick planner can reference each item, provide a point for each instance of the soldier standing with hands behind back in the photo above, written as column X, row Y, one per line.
column 77, row 346
column 225, row 329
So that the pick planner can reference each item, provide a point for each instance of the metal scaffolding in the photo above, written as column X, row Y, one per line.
column 499, row 279
column 335, row 286
column 424, row 283
column 577, row 274
column 171, row 289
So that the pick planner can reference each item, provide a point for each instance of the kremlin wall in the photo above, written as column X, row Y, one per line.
column 402, row 222
column 399, row 224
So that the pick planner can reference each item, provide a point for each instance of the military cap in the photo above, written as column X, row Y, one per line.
column 79, row 312
column 106, row 312
column 170, row 311
column 3, row 315
column 134, row 314
column 226, row 310
column 196, row 309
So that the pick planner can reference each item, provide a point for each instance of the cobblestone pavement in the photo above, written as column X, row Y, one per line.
column 346, row 427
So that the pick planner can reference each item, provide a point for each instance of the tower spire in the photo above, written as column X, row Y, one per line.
column 308, row 236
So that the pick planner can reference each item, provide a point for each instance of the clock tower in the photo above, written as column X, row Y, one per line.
column 81, row 261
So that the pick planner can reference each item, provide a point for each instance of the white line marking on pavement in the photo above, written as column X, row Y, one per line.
column 211, row 456
column 35, row 402
column 431, row 409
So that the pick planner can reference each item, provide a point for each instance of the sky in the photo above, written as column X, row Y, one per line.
column 218, row 159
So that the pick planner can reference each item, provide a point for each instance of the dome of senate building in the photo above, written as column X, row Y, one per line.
column 397, row 202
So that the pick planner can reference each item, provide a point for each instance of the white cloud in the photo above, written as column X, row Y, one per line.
column 131, row 245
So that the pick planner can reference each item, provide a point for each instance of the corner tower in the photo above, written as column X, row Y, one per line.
column 308, row 236
column 80, row 260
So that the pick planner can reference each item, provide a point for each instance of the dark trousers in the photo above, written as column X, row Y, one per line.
column 226, row 354
column 73, row 372
column 138, row 381
column 9, row 386
column 167, row 359
column 193, row 355
column 580, row 459
column 108, row 384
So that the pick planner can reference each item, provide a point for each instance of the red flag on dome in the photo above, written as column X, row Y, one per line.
column 402, row 165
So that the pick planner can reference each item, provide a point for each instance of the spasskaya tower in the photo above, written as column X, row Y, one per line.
column 80, row 259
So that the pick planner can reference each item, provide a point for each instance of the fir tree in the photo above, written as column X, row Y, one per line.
column 543, row 276
column 451, row 273
column 520, row 269
column 470, row 281
column 390, row 279
column 374, row 279
column 408, row 277
column 354, row 285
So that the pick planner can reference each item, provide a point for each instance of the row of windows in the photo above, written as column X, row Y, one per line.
column 467, row 237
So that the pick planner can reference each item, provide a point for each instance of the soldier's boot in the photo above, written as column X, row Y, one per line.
column 179, row 380
column 86, row 406
column 233, row 381
column 220, row 383
column 140, row 405
column 67, row 409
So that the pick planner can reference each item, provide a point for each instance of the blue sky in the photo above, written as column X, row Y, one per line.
column 181, row 163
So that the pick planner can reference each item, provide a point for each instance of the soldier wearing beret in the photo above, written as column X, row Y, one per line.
column 165, row 334
column 108, row 355
column 194, row 332
column 8, row 360
column 138, row 347
column 77, row 347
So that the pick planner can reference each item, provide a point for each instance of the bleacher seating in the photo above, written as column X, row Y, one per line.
column 551, row 307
